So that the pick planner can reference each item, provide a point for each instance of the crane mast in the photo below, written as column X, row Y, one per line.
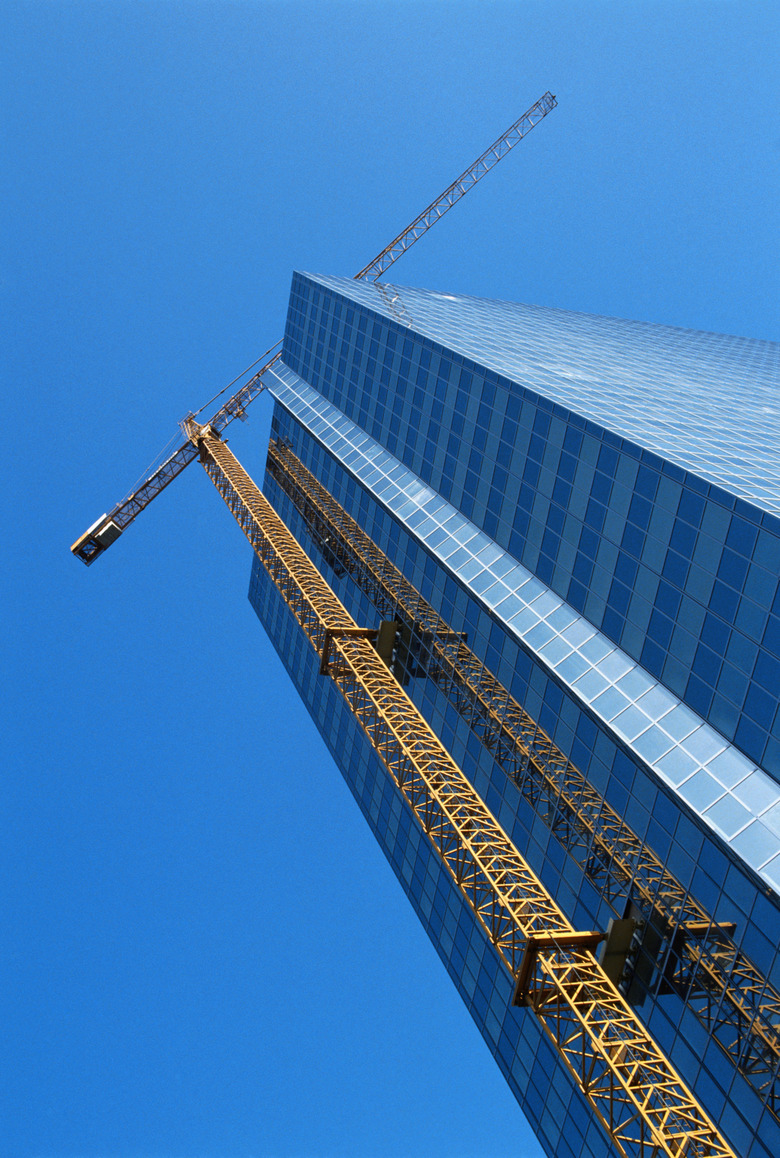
column 640, row 1099
column 698, row 955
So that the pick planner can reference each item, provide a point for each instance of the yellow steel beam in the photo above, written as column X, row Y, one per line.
column 631, row 1086
column 724, row 988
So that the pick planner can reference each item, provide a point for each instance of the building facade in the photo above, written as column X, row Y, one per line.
column 592, row 508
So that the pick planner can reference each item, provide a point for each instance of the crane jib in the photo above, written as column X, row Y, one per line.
column 109, row 527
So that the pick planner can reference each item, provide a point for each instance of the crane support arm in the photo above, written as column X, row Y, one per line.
column 109, row 527
column 459, row 188
column 236, row 406
column 639, row 1098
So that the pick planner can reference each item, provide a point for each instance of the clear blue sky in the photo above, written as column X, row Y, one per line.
column 205, row 954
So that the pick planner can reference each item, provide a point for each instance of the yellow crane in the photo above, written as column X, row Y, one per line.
column 697, row 955
column 632, row 1088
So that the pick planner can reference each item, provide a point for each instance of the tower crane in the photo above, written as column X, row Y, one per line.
column 639, row 1098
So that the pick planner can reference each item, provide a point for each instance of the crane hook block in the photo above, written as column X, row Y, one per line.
column 94, row 542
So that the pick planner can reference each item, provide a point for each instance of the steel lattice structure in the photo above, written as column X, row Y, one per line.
column 630, row 1085
column 109, row 527
column 729, row 995
column 459, row 187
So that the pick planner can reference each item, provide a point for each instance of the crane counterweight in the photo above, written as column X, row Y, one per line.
column 103, row 532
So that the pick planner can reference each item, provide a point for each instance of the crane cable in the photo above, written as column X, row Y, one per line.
column 168, row 448
column 238, row 378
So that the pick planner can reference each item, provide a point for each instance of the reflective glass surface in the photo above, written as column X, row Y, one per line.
column 708, row 402
column 736, row 798
column 553, row 1106
column 529, row 472
column 632, row 527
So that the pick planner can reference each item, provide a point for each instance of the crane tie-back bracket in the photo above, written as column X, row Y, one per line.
column 342, row 633
column 525, row 991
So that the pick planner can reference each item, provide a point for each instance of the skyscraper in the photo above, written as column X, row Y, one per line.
column 568, row 528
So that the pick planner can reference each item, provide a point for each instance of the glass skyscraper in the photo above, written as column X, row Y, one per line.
column 591, row 507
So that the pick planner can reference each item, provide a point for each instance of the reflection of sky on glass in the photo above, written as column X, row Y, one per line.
column 708, row 402
column 733, row 795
